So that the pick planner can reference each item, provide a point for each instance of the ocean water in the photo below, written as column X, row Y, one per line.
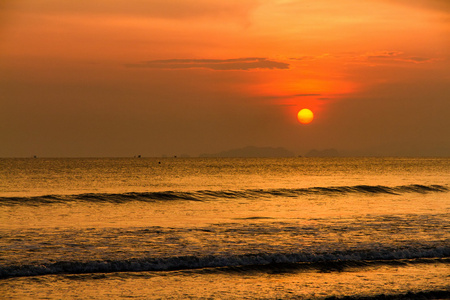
column 205, row 228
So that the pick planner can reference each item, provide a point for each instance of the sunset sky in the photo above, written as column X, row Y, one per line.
column 172, row 77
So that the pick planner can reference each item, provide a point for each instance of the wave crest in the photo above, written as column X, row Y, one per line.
column 267, row 260
column 205, row 195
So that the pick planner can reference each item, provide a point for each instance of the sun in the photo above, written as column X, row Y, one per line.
column 305, row 116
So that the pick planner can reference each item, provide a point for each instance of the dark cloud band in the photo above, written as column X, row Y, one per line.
column 247, row 63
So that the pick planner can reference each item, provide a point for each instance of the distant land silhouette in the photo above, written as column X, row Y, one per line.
column 322, row 153
column 252, row 151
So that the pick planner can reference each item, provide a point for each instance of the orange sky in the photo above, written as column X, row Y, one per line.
column 120, row 78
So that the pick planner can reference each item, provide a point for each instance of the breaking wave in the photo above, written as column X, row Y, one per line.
column 264, row 261
column 423, row 295
column 205, row 195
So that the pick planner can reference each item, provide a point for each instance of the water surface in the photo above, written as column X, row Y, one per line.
column 224, row 228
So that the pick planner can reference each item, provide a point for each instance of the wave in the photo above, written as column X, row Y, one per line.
column 274, row 261
column 423, row 295
column 205, row 195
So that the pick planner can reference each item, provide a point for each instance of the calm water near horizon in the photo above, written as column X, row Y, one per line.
column 206, row 228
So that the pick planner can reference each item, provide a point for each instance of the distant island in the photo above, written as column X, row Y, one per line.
column 322, row 153
column 252, row 151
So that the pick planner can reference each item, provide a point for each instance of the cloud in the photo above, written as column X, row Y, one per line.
column 395, row 56
column 291, row 96
column 304, row 58
column 383, row 55
column 173, row 9
column 311, row 57
column 439, row 5
column 417, row 59
column 372, row 58
column 246, row 63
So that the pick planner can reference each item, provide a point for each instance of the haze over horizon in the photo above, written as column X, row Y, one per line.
column 124, row 78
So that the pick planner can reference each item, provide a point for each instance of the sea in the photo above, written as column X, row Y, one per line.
column 225, row 228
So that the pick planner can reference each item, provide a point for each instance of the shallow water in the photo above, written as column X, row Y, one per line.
column 224, row 228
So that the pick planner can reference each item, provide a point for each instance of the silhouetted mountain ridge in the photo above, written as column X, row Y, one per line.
column 252, row 151
column 322, row 153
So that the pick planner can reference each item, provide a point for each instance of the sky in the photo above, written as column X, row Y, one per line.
column 157, row 77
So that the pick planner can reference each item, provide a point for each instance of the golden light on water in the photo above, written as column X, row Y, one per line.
column 305, row 116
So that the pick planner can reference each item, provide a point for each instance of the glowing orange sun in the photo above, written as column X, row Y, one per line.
column 305, row 116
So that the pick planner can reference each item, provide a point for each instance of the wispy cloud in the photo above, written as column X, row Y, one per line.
column 246, row 63
column 439, row 5
column 382, row 55
column 290, row 96
column 395, row 56
column 310, row 57
column 173, row 9
column 376, row 57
